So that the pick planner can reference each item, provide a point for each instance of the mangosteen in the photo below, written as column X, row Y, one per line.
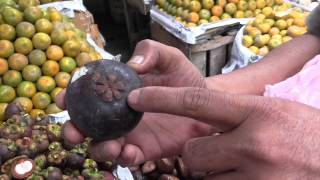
column 92, row 174
column 57, row 158
column 27, row 147
column 41, row 161
column 97, row 100
column 55, row 146
column 75, row 161
column 4, row 177
column 22, row 168
column 54, row 132
column 54, row 173
column 13, row 109
column 8, row 150
column 41, row 141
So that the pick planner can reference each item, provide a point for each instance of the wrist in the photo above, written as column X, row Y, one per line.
column 216, row 83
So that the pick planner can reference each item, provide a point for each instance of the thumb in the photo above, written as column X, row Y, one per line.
column 224, row 111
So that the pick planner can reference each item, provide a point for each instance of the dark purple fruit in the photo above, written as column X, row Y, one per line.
column 54, row 174
column 75, row 161
column 13, row 109
column 97, row 101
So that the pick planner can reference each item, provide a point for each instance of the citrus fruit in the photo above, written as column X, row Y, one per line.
column 68, row 64
column 221, row 3
column 7, row 94
column 37, row 57
column 273, row 43
column 299, row 22
column 203, row 21
column 214, row 19
column 84, row 46
column 50, row 68
column 204, row 14
column 257, row 12
column 18, row 61
column 12, row 78
column 25, row 29
column 283, row 32
column 264, row 27
column 247, row 41
column 230, row 8
column 53, row 109
column 261, row 40
column 191, row 25
column 286, row 39
column 59, row 37
column 179, row 11
column 261, row 17
column 281, row 24
column 55, row 16
column 263, row 51
column 207, row 4
column 36, row 113
column 6, row 48
column 276, row 36
column 23, row 45
column 270, row 3
column 26, row 3
column 195, row 6
column 274, row 31
column 225, row 16
column 55, row 53
column 26, row 89
column 295, row 31
column 7, row 32
column 261, row 4
column 31, row 73
column 217, row 11
column 233, row 1
column 41, row 41
column 82, row 59
column 25, row 102
column 242, row 5
column 254, row 32
column 46, row 84
column 279, row 2
column 252, row 5
column 193, row 17
column 239, row 14
column 3, row 107
column 32, row 14
column 248, row 14
column 41, row 100
column 269, row 21
column 74, row 71
column 62, row 79
column 254, row 49
column 72, row 35
column 11, row 15
column 55, row 92
column 71, row 48
column 186, row 4
column 179, row 3
column 268, row 12
column 161, row 3
column 3, row 66
column 44, row 26
column 290, row 22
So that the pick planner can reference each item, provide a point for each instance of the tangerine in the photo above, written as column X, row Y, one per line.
column 25, row 29
column 41, row 100
column 3, row 66
column 31, row 73
column 12, row 78
column 7, row 32
column 6, row 48
column 55, row 52
column 25, row 102
column 18, row 61
column 7, row 94
column 23, row 45
column 50, row 68
column 26, row 89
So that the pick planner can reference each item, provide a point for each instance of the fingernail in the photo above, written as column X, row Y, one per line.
column 133, row 97
column 137, row 60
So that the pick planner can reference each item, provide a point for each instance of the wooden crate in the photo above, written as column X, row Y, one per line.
column 210, row 55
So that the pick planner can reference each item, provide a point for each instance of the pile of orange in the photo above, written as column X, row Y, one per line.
column 39, row 52
column 192, row 13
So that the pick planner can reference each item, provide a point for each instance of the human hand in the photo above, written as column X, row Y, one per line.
column 157, row 135
column 262, row 138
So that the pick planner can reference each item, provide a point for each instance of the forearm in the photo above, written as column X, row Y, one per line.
column 278, row 65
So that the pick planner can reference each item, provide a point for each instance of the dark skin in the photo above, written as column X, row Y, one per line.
column 263, row 138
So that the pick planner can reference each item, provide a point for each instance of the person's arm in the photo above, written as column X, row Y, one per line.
column 278, row 65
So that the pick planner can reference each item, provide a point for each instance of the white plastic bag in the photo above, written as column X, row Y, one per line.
column 241, row 56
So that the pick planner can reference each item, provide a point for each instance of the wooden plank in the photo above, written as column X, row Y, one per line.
column 213, row 44
column 218, row 58
column 199, row 59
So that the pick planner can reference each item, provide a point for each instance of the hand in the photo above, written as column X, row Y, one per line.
column 263, row 138
column 157, row 135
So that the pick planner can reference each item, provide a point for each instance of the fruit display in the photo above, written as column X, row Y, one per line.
column 49, row 1
column 32, row 148
column 103, row 89
column 192, row 13
column 39, row 52
column 268, row 32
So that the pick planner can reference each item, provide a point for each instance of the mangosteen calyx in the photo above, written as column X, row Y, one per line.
column 97, row 100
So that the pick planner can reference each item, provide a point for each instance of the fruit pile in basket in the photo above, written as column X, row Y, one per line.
column 34, row 149
column 39, row 52
column 196, row 12
column 267, row 32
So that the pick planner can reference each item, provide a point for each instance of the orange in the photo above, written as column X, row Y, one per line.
column 225, row 16
column 36, row 113
column 11, row 15
column 161, row 3
column 193, row 17
column 26, row 89
column 55, row 16
column 62, row 79
column 6, row 48
column 82, row 59
column 248, row 14
column 205, row 14
column 3, row 107
column 41, row 41
column 46, row 84
column 233, row 1
column 214, row 19
column 207, row 4
column 37, row 57
column 23, row 45
column 59, row 36
column 274, row 31
column 41, row 100
column 50, row 68
column 7, row 94
column 25, row 29
column 203, row 21
column 252, row 5
column 221, row 3
column 71, row 48
column 72, row 35
column 242, row 5
column 186, row 4
column 55, row 52
column 31, row 73
column 43, row 25
column 281, row 24
column 32, row 14
column 195, row 6
column 217, row 11
column 261, row 4
column 239, row 14
column 7, row 32
column 191, row 25
column 3, row 66
column 230, row 8
column 55, row 92
column 25, row 102
column 12, row 78
column 84, row 46
column 299, row 22
column 68, row 64
column 18, row 61
column 53, row 109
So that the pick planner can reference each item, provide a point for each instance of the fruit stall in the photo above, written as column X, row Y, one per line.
column 46, row 44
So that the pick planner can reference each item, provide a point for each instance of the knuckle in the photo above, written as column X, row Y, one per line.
column 194, row 99
column 146, row 43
